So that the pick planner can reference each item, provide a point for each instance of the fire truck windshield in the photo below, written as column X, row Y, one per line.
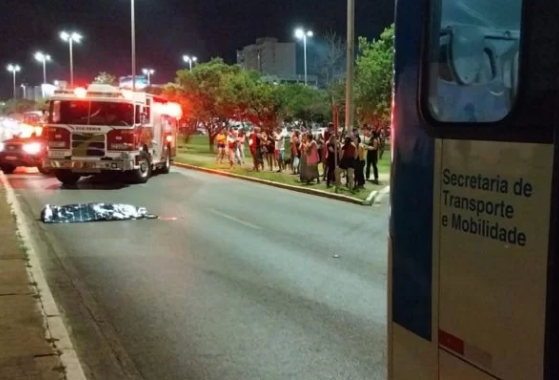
column 83, row 112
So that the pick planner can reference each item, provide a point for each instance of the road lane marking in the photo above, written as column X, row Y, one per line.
column 232, row 218
column 55, row 327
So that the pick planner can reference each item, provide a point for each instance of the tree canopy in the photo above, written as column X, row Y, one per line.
column 374, row 77
column 105, row 78
column 214, row 94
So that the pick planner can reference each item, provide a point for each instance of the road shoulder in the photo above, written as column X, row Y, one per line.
column 33, row 343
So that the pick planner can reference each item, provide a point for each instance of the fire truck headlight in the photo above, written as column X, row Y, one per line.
column 1, row 146
column 32, row 148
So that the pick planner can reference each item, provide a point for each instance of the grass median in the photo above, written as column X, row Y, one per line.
column 197, row 153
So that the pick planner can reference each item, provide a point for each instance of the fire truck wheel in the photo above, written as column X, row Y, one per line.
column 166, row 168
column 67, row 177
column 43, row 171
column 142, row 174
column 7, row 168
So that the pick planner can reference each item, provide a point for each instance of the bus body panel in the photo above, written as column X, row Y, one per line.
column 494, row 226
column 453, row 368
column 467, row 300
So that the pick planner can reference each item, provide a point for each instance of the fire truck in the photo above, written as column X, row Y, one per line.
column 104, row 129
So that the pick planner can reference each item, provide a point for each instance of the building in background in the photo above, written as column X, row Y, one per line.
column 276, row 61
column 126, row 82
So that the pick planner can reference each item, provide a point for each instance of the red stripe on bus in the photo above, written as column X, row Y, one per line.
column 451, row 342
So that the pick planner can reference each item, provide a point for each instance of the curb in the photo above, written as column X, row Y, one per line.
column 371, row 198
column 298, row 189
column 55, row 329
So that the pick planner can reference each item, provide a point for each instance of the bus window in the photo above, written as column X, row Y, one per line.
column 473, row 71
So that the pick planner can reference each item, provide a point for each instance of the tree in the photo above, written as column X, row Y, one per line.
column 105, row 78
column 330, row 63
column 374, row 77
column 204, row 96
column 267, row 105
column 19, row 106
column 305, row 103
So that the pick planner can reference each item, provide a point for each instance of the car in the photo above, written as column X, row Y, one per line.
column 22, row 152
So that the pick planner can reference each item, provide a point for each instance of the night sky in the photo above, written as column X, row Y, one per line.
column 166, row 29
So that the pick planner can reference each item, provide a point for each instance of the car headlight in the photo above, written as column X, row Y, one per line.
column 32, row 148
column 1, row 146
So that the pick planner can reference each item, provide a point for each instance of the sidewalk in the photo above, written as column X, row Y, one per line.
column 24, row 350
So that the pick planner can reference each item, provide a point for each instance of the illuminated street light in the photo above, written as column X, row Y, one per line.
column 71, row 38
column 149, row 73
column 303, row 35
column 189, row 60
column 43, row 58
column 14, row 69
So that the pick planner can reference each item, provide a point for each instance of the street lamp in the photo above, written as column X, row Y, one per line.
column 43, row 58
column 24, row 88
column 149, row 73
column 71, row 38
column 133, row 35
column 189, row 60
column 14, row 69
column 303, row 35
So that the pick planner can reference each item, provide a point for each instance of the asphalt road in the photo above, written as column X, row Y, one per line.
column 239, row 282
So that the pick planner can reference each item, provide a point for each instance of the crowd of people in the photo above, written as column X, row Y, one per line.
column 355, row 152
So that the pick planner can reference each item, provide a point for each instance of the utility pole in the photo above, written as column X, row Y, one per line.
column 350, row 64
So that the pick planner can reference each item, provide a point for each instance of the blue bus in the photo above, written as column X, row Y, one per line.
column 473, row 282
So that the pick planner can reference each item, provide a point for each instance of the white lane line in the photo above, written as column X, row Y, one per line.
column 55, row 328
column 232, row 218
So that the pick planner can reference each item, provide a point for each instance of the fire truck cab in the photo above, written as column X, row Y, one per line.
column 105, row 129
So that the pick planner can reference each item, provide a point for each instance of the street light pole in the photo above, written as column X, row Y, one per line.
column 349, row 73
column 305, row 56
column 43, row 58
column 15, row 87
column 133, row 22
column 71, row 62
column 148, row 73
column 190, row 60
column 71, row 38
column 302, row 34
column 14, row 69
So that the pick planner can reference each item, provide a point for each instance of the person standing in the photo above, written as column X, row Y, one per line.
column 331, row 161
column 255, row 148
column 347, row 162
column 372, row 147
column 360, row 166
column 328, row 132
column 295, row 156
column 231, row 146
column 221, row 140
column 280, row 149
column 312, row 159
column 240, row 152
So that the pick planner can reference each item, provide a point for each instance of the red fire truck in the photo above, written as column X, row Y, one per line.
column 105, row 129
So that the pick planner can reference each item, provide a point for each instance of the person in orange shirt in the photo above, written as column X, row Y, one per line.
column 220, row 141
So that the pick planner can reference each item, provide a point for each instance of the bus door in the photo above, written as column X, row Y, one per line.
column 473, row 282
